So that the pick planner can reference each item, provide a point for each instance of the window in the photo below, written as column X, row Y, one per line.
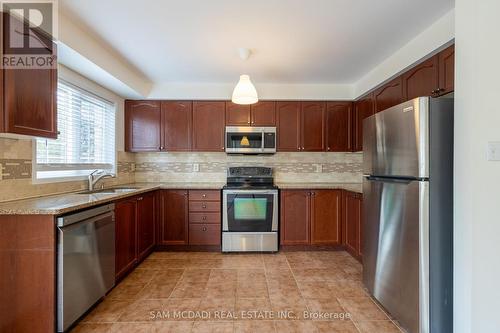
column 86, row 140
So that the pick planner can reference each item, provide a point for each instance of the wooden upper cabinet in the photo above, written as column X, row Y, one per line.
column 143, row 126
column 126, row 236
column 288, row 126
column 208, row 126
column 447, row 70
column 388, row 95
column 28, row 97
column 338, row 126
column 146, row 216
column 295, row 217
column 174, row 217
column 326, row 217
column 363, row 108
column 177, row 125
column 421, row 80
column 263, row 113
column 237, row 115
column 313, row 126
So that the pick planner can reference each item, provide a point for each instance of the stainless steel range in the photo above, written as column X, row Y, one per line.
column 250, row 211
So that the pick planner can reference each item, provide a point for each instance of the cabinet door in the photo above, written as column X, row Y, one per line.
column 237, row 115
column 389, row 95
column 29, row 103
column 125, row 236
column 263, row 114
column 174, row 217
column 447, row 70
column 288, row 126
column 421, row 80
column 146, row 213
column 177, row 125
column 338, row 126
column 313, row 126
column 295, row 217
column 142, row 126
column 352, row 223
column 363, row 108
column 326, row 217
column 208, row 126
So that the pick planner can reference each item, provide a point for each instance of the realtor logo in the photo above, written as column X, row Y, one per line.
column 28, row 34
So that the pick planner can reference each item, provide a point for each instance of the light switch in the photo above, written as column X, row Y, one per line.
column 493, row 151
column 196, row 167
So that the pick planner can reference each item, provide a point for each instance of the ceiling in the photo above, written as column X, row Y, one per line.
column 292, row 41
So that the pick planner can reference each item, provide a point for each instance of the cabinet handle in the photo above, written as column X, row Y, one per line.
column 203, row 195
column 248, row 122
column 203, row 206
column 204, row 218
column 185, row 194
column 298, row 148
column 140, row 198
column 204, row 229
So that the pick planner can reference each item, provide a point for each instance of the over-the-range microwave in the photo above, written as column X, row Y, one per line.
column 250, row 140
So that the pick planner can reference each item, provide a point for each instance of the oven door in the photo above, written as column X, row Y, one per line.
column 244, row 140
column 250, row 210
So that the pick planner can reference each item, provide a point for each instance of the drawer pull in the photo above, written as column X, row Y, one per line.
column 204, row 229
column 203, row 206
column 203, row 195
column 204, row 218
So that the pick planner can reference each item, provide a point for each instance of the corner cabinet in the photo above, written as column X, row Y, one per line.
column 143, row 126
column 352, row 216
column 310, row 217
column 388, row 95
column 363, row 108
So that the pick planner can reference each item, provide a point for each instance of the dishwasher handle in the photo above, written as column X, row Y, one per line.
column 66, row 220
column 99, row 221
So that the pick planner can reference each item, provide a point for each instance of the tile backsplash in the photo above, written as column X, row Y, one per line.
column 16, row 169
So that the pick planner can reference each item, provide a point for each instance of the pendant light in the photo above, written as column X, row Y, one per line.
column 244, row 92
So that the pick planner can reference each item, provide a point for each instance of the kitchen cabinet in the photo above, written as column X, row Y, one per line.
column 310, row 217
column 263, row 113
column 446, row 59
column 208, row 126
column 125, row 236
column 338, row 126
column 237, row 115
column 143, row 130
column 174, row 217
column 146, row 216
column 294, row 219
column 352, row 216
column 28, row 97
column 300, row 126
column 288, row 126
column 176, row 125
column 421, row 80
column 388, row 95
column 204, row 217
column 363, row 108
column 313, row 126
column 326, row 217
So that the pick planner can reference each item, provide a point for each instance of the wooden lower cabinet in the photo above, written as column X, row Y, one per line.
column 310, row 217
column 174, row 217
column 205, row 217
column 146, row 216
column 125, row 236
column 204, row 234
column 326, row 217
column 352, row 216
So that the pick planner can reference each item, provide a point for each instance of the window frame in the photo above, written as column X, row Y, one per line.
column 57, row 179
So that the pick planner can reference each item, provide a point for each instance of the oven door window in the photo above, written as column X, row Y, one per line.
column 250, row 212
column 244, row 140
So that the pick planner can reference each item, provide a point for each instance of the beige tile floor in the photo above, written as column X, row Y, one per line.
column 214, row 292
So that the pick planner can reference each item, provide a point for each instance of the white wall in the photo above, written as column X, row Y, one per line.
column 84, row 83
column 477, row 181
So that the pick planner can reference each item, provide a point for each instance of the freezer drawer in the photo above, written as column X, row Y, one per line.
column 396, row 245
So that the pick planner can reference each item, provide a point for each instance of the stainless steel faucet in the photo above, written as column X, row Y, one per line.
column 96, row 176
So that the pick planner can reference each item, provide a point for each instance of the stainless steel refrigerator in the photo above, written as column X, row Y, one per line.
column 408, row 213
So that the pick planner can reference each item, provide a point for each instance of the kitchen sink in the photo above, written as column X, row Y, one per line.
column 115, row 190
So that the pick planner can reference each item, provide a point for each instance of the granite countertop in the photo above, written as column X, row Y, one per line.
column 68, row 202
column 64, row 203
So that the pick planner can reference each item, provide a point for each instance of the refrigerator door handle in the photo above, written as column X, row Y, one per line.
column 392, row 180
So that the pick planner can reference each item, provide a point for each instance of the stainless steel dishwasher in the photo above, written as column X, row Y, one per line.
column 85, row 261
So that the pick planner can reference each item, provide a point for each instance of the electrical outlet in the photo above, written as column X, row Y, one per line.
column 493, row 151
column 319, row 168
column 132, row 167
column 196, row 167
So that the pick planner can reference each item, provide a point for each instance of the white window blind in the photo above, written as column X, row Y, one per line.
column 86, row 140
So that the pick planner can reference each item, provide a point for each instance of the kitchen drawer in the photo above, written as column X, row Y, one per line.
column 212, row 218
column 204, row 234
column 204, row 206
column 204, row 195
